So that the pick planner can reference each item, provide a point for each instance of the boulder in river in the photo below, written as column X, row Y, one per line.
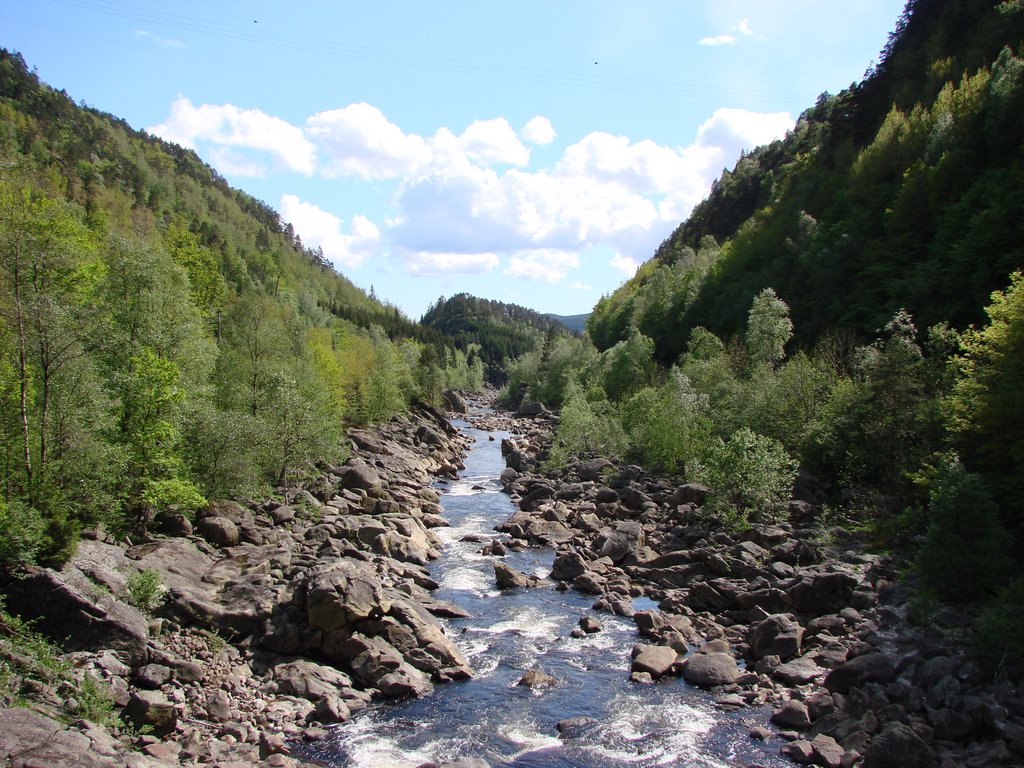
column 708, row 670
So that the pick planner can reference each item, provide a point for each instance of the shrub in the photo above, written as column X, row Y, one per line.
column 750, row 476
column 964, row 555
column 22, row 533
column 144, row 590
column 1001, row 628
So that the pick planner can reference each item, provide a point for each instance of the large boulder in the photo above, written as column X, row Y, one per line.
column 77, row 614
column 361, row 476
column 28, row 738
column 822, row 593
column 454, row 401
column 656, row 660
column 869, row 668
column 898, row 746
column 509, row 578
column 342, row 593
column 777, row 635
column 219, row 531
column 710, row 669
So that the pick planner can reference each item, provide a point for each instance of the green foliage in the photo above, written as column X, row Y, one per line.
column 965, row 552
column 628, row 366
column 669, row 427
column 750, row 476
column 95, row 702
column 985, row 405
column 22, row 533
column 589, row 426
column 145, row 590
column 768, row 328
column 1001, row 627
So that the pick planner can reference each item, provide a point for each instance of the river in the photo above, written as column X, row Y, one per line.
column 491, row 717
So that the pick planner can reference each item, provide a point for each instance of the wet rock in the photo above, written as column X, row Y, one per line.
column 568, row 566
column 590, row 625
column 508, row 577
column 537, row 678
column 575, row 727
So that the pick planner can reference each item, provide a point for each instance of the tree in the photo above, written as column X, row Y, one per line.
column 769, row 328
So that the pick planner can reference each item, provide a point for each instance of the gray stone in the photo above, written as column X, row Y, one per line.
column 793, row 714
column 154, row 709
column 898, row 747
column 537, row 678
column 508, row 577
column 710, row 669
column 219, row 531
column 777, row 635
column 656, row 660
column 869, row 668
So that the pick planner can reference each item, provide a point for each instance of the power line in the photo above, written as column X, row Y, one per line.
column 258, row 36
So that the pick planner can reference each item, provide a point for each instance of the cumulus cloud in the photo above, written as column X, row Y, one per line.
column 232, row 163
column 491, row 142
column 435, row 264
column 229, row 126
column 320, row 228
column 544, row 265
column 732, row 130
column 539, row 130
column 625, row 264
column 360, row 141
column 718, row 40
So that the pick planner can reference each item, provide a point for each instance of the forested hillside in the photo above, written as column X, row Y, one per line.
column 903, row 191
column 843, row 318
column 492, row 331
column 165, row 338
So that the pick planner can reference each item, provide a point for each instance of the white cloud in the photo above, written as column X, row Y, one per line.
column 733, row 130
column 538, row 130
column 490, row 142
column 229, row 126
column 581, row 287
column 718, row 40
column 545, row 265
column 625, row 264
column 435, row 264
column 232, row 163
column 320, row 228
column 360, row 141
column 745, row 28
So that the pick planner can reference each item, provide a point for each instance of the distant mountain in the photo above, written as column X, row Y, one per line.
column 494, row 331
column 577, row 323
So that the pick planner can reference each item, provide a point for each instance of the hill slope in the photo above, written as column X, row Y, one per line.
column 906, row 190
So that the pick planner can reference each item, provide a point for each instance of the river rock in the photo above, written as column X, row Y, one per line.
column 778, row 635
column 343, row 592
column 508, row 577
column 869, row 668
column 656, row 660
column 793, row 714
column 710, row 669
column 28, row 738
column 822, row 593
column 537, row 678
column 575, row 727
column 898, row 746
column 359, row 475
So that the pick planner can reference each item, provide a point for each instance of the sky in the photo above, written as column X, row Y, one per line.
column 530, row 152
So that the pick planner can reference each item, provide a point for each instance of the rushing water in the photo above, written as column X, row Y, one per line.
column 665, row 724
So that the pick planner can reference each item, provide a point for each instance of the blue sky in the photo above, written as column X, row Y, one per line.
column 530, row 152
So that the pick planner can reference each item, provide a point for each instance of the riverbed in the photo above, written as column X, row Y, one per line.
column 668, row 723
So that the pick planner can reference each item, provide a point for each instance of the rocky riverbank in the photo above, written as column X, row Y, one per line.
column 791, row 615
column 266, row 604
